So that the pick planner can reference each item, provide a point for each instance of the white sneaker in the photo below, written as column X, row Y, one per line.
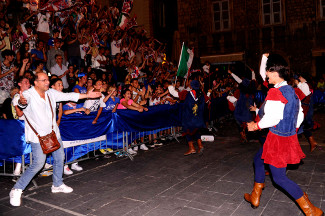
column 151, row 145
column 158, row 143
column 62, row 189
column 144, row 147
column 15, row 196
column 67, row 170
column 136, row 148
column 76, row 167
column 17, row 169
column 130, row 151
column 48, row 166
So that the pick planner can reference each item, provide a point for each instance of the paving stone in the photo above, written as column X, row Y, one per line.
column 23, row 211
column 320, row 169
column 279, row 208
column 301, row 178
column 54, row 212
column 192, row 212
column 201, row 206
column 225, row 187
column 118, row 207
column 5, row 208
column 211, row 198
column 168, row 206
column 245, row 209
column 226, row 209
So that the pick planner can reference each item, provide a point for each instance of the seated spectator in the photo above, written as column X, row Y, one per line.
column 17, row 38
column 24, row 84
column 57, row 85
column 55, row 36
column 39, row 67
column 127, row 103
column 39, row 53
column 82, row 83
column 72, row 77
column 96, row 104
column 100, row 61
column 89, row 84
column 321, row 84
column 6, row 107
column 23, row 53
column 111, row 100
column 31, row 36
column 8, row 71
column 55, row 50
column 60, row 70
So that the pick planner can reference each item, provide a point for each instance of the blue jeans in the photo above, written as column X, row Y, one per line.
column 37, row 164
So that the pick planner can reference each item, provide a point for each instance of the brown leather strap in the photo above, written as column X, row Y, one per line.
column 31, row 125
column 52, row 118
column 51, row 110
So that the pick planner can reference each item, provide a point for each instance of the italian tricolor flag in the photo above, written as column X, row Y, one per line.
column 122, row 21
column 185, row 61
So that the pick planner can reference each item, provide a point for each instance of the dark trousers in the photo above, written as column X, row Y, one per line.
column 278, row 174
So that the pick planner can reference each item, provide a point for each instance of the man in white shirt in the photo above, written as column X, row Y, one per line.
column 60, row 70
column 37, row 102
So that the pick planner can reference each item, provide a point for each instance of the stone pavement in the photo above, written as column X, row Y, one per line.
column 163, row 182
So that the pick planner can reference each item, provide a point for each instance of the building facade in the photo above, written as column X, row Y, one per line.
column 241, row 30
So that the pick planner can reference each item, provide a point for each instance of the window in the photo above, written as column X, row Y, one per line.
column 272, row 12
column 322, row 8
column 221, row 15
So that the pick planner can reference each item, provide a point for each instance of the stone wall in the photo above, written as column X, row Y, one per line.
column 301, row 32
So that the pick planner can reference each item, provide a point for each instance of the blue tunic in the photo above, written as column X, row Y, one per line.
column 193, row 113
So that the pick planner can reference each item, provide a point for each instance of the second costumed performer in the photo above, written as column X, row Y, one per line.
column 192, row 114
column 283, row 116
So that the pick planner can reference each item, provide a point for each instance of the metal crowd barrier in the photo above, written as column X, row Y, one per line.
column 90, row 149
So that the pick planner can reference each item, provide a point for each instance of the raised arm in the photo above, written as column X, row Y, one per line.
column 238, row 80
column 263, row 66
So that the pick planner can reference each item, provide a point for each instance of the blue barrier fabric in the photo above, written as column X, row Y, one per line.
column 80, row 127
column 12, row 139
column 319, row 97
column 156, row 117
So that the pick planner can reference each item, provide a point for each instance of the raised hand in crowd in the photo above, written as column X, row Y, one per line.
column 22, row 100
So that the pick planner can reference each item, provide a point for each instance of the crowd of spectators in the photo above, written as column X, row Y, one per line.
column 87, row 50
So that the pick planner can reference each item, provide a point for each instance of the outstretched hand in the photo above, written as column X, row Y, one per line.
column 92, row 94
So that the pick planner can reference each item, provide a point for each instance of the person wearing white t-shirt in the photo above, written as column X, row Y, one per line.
column 100, row 61
column 96, row 104
column 116, row 47
column 116, row 44
column 43, row 27
column 84, row 48
column 60, row 70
